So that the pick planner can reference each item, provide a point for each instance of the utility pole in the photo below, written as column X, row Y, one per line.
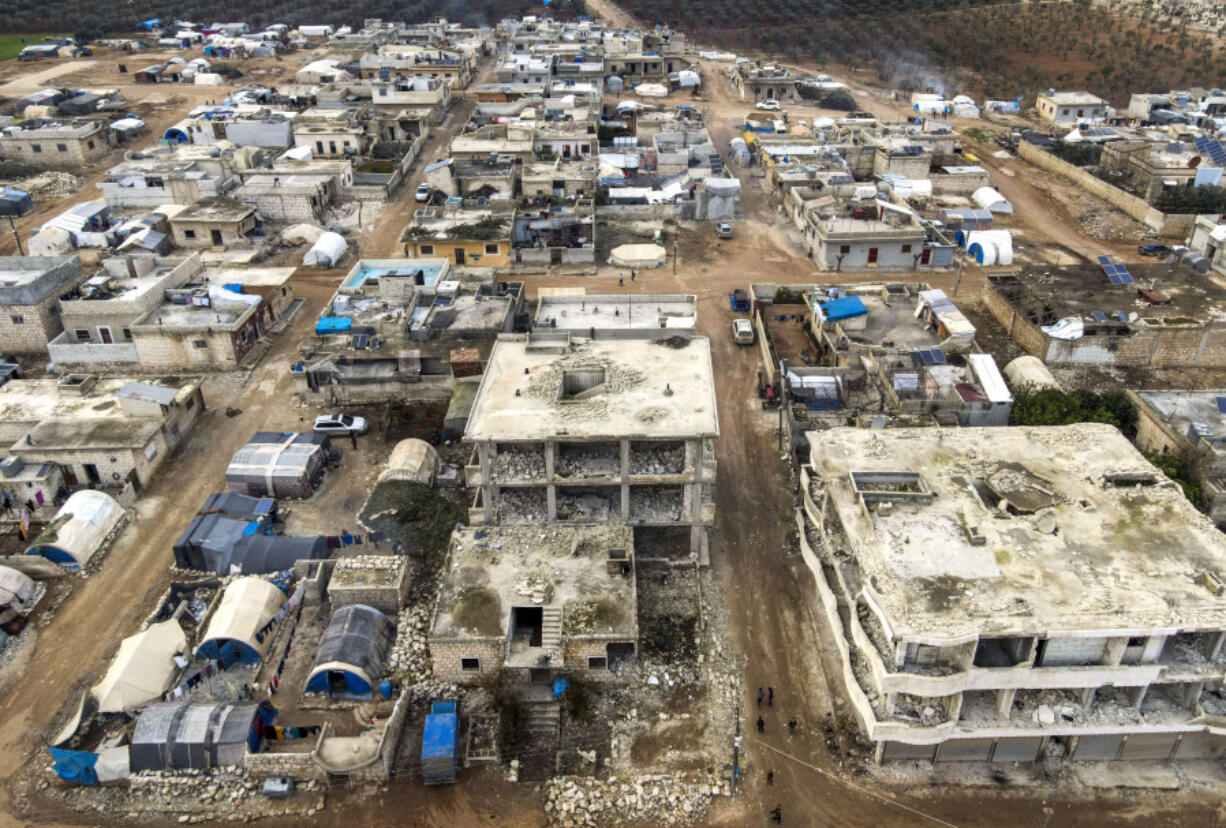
column 16, row 236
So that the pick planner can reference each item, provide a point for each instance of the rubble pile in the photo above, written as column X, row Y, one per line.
column 589, row 507
column 519, row 463
column 50, row 185
column 655, row 505
column 522, row 506
column 665, row 459
column 576, row 461
column 410, row 657
column 655, row 800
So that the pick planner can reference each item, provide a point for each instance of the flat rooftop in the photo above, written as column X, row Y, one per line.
column 618, row 312
column 1044, row 294
column 216, row 209
column 24, row 403
column 492, row 569
column 247, row 276
column 596, row 389
column 170, row 315
column 889, row 323
column 1095, row 538
column 1180, row 409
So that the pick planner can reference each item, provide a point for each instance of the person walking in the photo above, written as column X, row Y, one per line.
column 770, row 777
column 761, row 725
column 770, row 696
column 777, row 814
column 632, row 275
column 759, row 697
column 792, row 725
column 621, row 280
column 353, row 440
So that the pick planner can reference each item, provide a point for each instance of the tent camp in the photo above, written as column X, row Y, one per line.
column 234, row 633
column 78, row 529
column 179, row 735
column 352, row 653
column 989, row 199
column 283, row 465
column 142, row 670
column 327, row 251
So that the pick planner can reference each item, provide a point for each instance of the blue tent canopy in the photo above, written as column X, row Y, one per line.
column 75, row 765
column 846, row 307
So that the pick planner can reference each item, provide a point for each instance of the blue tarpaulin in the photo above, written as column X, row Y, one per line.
column 559, row 687
column 75, row 766
column 333, row 324
column 844, row 308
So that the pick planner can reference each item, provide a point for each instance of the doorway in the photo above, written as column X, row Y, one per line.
column 459, row 255
column 105, row 333
column 91, row 473
column 216, row 237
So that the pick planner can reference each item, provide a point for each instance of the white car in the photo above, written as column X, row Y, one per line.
column 769, row 104
column 339, row 424
column 423, row 192
column 742, row 331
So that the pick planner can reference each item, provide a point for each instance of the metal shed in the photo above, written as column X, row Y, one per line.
column 352, row 653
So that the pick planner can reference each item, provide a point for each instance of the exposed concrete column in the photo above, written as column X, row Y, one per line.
column 625, row 502
column 1113, row 653
column 891, row 701
column 966, row 658
column 900, row 655
column 487, row 488
column 1153, row 648
column 1216, row 649
column 954, row 706
column 625, row 461
column 551, row 492
column 1087, row 697
column 1138, row 695
column 550, row 448
column 1004, row 702
column 1191, row 692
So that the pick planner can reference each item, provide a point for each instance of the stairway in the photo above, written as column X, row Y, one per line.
column 544, row 717
column 551, row 628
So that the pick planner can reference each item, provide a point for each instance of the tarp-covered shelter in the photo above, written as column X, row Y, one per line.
column 413, row 460
column 991, row 200
column 16, row 589
column 231, row 534
column 78, row 529
column 287, row 467
column 142, row 670
column 638, row 255
column 352, row 653
column 234, row 634
column 15, row 202
column 179, row 736
column 327, row 251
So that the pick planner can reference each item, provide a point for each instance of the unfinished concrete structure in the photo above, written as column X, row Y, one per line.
column 618, row 316
column 583, row 432
column 1016, row 593
column 537, row 602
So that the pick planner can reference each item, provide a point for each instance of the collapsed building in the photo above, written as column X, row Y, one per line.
column 1075, row 609
column 536, row 603
column 589, row 431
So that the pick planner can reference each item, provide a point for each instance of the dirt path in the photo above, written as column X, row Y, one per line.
column 34, row 81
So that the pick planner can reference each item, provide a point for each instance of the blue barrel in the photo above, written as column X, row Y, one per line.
column 385, row 689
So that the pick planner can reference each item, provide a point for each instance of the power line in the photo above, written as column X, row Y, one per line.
column 856, row 787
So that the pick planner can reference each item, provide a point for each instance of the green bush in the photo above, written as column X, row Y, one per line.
column 1179, row 470
column 1050, row 406
column 1207, row 199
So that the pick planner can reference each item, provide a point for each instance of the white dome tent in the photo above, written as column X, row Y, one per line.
column 79, row 529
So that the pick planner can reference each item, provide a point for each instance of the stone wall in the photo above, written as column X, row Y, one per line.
column 297, row 766
column 576, row 652
column 446, row 656
column 1166, row 226
column 1153, row 433
column 1028, row 337
column 158, row 348
column 385, row 589
column 947, row 184
column 26, row 329
column 65, row 351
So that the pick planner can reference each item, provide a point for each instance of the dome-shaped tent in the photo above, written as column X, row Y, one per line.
column 352, row 653
column 78, row 529
column 234, row 635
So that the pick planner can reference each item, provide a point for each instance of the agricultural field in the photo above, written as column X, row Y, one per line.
column 984, row 49
column 10, row 44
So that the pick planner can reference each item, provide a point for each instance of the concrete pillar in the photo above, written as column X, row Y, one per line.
column 551, row 502
column 953, row 706
column 487, row 489
column 625, row 462
column 625, row 507
column 879, row 752
column 1087, row 698
column 1138, row 695
column 1004, row 702
column 1216, row 649
column 1191, row 692
column 1113, row 653
column 891, row 700
column 1153, row 648
column 900, row 656
column 550, row 448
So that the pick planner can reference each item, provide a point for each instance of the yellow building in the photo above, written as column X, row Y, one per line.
column 462, row 236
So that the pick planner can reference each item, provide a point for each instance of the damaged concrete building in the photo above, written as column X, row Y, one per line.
column 1075, row 608
column 582, row 431
column 537, row 602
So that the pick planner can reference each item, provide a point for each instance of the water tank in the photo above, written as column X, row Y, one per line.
column 1030, row 371
column 11, row 466
column 385, row 689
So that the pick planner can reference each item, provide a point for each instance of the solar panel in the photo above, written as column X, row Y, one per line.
column 938, row 356
column 1123, row 275
column 1221, row 404
column 1098, row 316
column 916, row 359
column 1104, row 260
column 1119, row 316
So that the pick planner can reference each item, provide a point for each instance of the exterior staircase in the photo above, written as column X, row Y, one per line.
column 551, row 628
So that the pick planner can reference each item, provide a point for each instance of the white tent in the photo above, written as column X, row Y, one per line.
column 142, row 670
column 247, row 605
column 651, row 90
column 78, row 529
column 209, row 79
column 990, row 199
column 50, row 242
column 16, row 588
column 327, row 251
column 638, row 255
column 413, row 460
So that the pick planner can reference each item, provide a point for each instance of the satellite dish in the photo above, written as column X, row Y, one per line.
column 1194, row 162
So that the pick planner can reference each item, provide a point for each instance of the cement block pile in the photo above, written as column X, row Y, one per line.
column 655, row 505
column 410, row 657
column 522, row 506
column 588, row 462
column 652, row 800
column 519, row 463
